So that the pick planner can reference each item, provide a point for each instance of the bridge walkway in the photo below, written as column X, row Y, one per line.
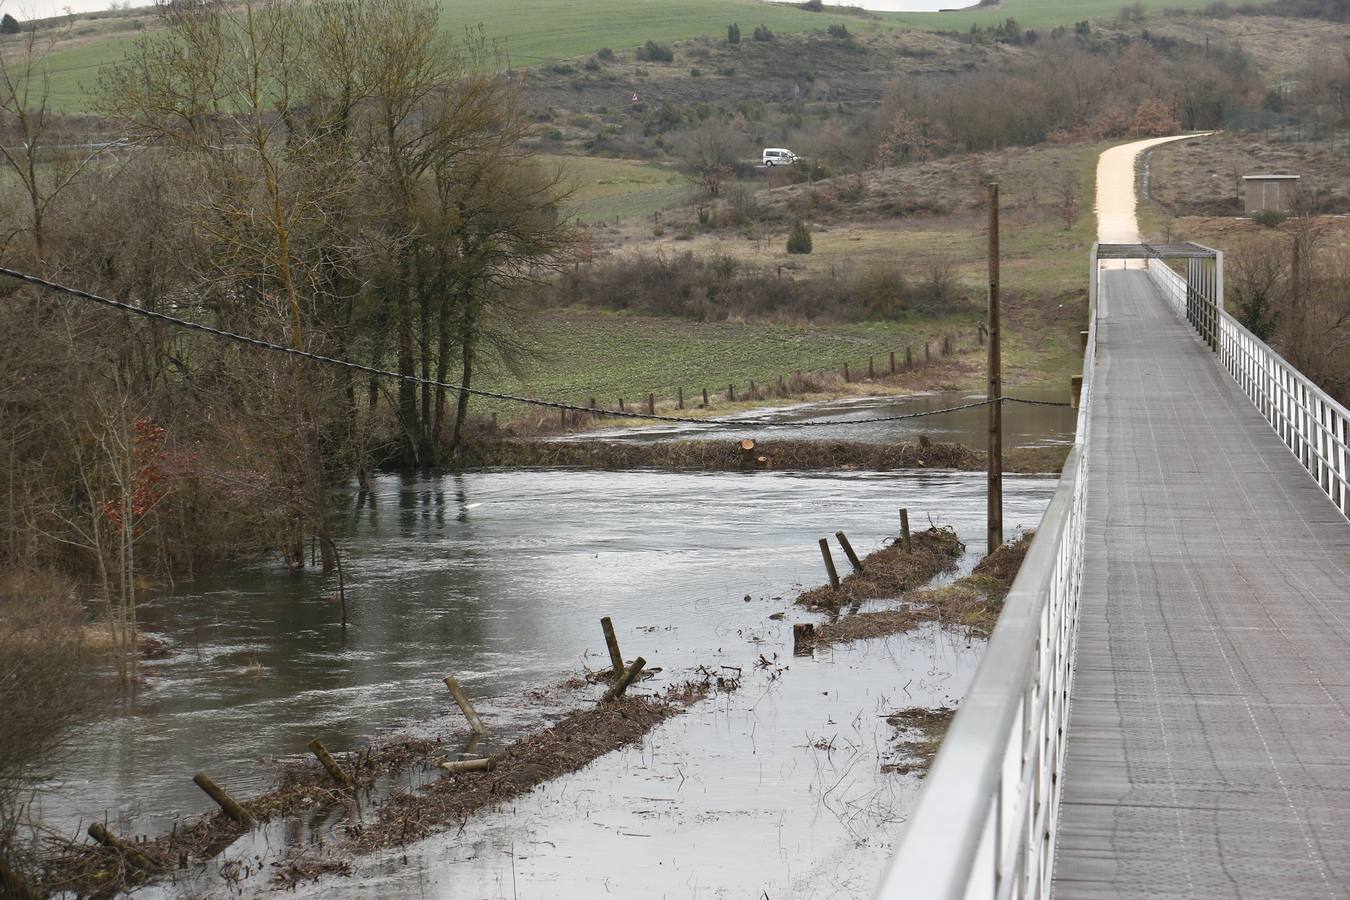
column 1209, row 734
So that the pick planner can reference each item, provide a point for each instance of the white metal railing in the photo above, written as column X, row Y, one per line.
column 985, row 822
column 1312, row 425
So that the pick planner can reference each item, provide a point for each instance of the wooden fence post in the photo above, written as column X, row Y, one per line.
column 846, row 377
column 331, row 765
column 705, row 398
column 871, row 371
column 224, row 800
column 731, row 393
column 892, row 362
column 679, row 401
column 616, row 690
column 612, row 642
column 651, row 404
column 829, row 563
column 904, row 529
column 464, row 705
column 848, row 551
column 909, row 357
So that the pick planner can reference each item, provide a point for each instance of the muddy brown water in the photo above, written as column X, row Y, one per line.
column 1024, row 425
column 500, row 578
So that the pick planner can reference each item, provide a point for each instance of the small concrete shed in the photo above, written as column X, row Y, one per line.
column 1269, row 192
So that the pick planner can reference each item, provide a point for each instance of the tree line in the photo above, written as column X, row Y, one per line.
column 338, row 176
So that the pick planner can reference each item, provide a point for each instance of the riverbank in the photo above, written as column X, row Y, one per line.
column 775, row 454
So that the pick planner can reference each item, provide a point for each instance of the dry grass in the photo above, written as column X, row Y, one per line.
column 575, row 741
column 720, row 455
column 93, row 870
column 724, row 456
column 973, row 602
column 918, row 735
column 890, row 571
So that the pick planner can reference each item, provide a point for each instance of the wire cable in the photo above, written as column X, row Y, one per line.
column 261, row 344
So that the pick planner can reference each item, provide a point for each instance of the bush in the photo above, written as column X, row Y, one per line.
column 9, row 25
column 839, row 32
column 763, row 34
column 733, row 33
column 605, row 54
column 1269, row 218
column 799, row 240
column 812, row 6
column 654, row 52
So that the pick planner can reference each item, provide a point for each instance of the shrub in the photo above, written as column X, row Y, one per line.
column 562, row 69
column 1269, row 218
column 593, row 65
column 799, row 240
column 733, row 33
column 9, row 25
column 605, row 54
column 812, row 5
column 763, row 34
column 695, row 72
column 839, row 32
column 654, row 52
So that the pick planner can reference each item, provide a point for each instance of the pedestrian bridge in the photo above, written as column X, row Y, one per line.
column 1164, row 707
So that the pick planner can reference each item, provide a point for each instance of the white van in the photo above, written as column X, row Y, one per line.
column 778, row 156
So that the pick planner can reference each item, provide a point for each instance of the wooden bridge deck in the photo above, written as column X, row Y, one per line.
column 1209, row 738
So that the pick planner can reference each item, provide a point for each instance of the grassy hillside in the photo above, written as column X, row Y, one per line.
column 535, row 32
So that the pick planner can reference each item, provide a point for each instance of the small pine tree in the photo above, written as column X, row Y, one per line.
column 733, row 33
column 799, row 240
column 9, row 24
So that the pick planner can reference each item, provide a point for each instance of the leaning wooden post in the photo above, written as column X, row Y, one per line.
column 227, row 803
column 904, row 530
column 562, row 419
column 612, row 642
column 848, row 551
column 928, row 351
column 829, row 563
column 465, row 707
column 621, row 409
column 326, row 760
column 112, row 841
column 616, row 690
column 1076, row 386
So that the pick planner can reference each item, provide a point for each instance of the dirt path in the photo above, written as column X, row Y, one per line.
column 1116, row 221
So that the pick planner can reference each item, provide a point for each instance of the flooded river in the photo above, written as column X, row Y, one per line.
column 500, row 578
column 1024, row 425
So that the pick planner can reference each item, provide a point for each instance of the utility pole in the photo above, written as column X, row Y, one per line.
column 995, row 529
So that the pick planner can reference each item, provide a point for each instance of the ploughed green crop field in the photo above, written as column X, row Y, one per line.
column 536, row 32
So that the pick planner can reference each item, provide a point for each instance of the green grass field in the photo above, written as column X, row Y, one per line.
column 607, row 189
column 535, row 32
column 584, row 354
